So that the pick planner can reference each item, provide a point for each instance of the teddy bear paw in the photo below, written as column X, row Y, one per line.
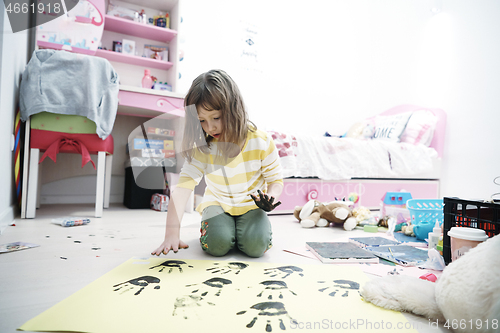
column 307, row 223
column 342, row 213
column 322, row 223
column 350, row 223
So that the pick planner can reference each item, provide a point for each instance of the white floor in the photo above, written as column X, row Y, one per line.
column 68, row 259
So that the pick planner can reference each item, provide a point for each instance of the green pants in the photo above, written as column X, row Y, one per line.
column 220, row 232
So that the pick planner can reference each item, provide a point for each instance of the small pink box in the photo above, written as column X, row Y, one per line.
column 159, row 202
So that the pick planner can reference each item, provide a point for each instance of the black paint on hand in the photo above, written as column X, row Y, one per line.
column 265, row 203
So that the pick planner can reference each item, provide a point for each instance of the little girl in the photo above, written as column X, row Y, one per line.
column 237, row 159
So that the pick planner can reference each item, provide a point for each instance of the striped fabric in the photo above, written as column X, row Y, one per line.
column 230, row 184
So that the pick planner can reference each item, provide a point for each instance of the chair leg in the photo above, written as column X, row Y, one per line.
column 39, row 187
column 107, row 180
column 32, row 183
column 99, row 198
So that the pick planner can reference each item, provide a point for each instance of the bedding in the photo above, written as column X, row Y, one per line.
column 405, row 156
column 406, row 142
column 330, row 158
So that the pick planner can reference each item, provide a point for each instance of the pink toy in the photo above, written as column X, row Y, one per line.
column 147, row 81
column 429, row 277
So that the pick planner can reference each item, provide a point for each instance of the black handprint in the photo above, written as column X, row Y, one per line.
column 142, row 282
column 212, row 283
column 343, row 284
column 283, row 270
column 273, row 286
column 171, row 264
column 230, row 267
column 269, row 309
column 263, row 202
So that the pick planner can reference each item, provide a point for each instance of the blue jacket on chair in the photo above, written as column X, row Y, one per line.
column 70, row 83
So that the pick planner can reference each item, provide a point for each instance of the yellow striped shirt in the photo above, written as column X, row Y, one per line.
column 230, row 183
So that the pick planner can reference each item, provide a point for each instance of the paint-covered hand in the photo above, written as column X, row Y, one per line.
column 264, row 202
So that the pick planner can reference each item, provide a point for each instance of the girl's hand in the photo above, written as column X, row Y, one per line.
column 264, row 202
column 170, row 243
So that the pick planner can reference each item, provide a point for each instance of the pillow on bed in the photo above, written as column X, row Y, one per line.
column 420, row 128
column 390, row 128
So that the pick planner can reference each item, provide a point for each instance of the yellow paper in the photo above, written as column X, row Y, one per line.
column 163, row 295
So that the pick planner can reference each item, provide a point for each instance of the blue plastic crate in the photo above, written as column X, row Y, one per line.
column 425, row 210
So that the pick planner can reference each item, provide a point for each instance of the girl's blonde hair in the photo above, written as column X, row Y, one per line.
column 215, row 90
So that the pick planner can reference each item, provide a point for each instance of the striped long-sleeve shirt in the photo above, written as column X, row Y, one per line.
column 230, row 183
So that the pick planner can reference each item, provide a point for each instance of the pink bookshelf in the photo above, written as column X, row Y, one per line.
column 48, row 45
column 133, row 60
column 128, row 27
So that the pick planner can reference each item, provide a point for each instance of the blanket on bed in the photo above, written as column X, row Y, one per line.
column 331, row 158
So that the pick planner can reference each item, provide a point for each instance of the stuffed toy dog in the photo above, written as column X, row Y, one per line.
column 317, row 214
column 466, row 296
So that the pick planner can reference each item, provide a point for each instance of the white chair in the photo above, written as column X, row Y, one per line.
column 55, row 133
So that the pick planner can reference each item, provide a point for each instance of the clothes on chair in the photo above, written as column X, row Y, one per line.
column 84, row 144
column 68, row 83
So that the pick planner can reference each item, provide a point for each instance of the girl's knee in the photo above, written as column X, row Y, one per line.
column 218, row 242
column 217, row 246
column 255, row 245
column 217, row 231
column 256, row 251
column 254, row 233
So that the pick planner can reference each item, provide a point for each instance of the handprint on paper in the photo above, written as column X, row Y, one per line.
column 284, row 271
column 186, row 306
column 272, row 312
column 235, row 267
column 210, row 285
column 171, row 264
column 342, row 284
column 273, row 287
column 142, row 282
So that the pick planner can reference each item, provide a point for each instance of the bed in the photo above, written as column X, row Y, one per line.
column 398, row 150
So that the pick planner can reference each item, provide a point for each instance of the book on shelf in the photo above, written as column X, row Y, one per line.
column 141, row 143
column 364, row 242
column 340, row 252
column 160, row 131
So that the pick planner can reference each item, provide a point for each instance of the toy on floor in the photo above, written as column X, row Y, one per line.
column 394, row 204
column 400, row 224
column 465, row 297
column 317, row 214
column 364, row 216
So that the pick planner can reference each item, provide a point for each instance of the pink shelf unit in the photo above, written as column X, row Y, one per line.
column 133, row 60
column 128, row 27
column 159, row 104
column 56, row 46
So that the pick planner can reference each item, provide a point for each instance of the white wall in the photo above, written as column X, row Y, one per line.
column 13, row 55
column 325, row 64
column 322, row 65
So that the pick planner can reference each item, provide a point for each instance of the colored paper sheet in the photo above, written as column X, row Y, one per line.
column 157, row 295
